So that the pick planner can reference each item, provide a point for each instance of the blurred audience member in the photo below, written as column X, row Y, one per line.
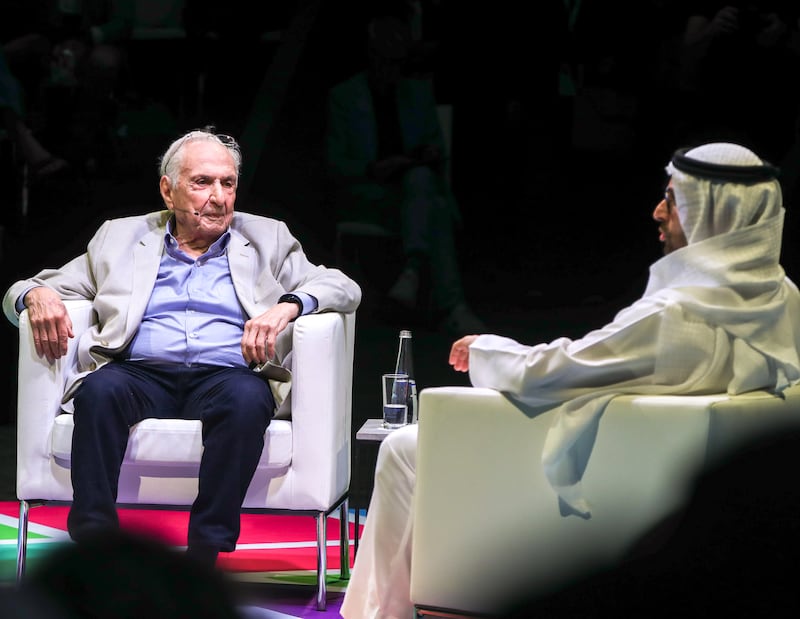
column 739, row 62
column 73, row 57
column 125, row 576
column 40, row 161
column 387, row 156
column 425, row 19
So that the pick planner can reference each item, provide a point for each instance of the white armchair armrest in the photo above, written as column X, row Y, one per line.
column 322, row 376
column 39, row 390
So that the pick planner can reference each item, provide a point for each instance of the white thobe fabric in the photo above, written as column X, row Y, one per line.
column 718, row 315
column 380, row 582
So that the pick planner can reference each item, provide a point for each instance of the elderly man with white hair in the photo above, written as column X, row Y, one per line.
column 718, row 315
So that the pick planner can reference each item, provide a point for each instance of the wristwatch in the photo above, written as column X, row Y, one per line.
column 292, row 298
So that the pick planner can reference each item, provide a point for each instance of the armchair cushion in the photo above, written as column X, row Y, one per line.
column 174, row 442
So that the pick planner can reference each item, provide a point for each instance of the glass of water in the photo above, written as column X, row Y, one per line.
column 395, row 400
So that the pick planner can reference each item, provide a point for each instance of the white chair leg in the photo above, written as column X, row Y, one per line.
column 22, row 539
column 322, row 561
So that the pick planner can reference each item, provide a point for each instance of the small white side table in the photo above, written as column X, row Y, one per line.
column 373, row 430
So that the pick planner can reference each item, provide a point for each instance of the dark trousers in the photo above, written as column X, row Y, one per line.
column 235, row 406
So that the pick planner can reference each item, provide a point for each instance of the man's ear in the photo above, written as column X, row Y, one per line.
column 165, row 189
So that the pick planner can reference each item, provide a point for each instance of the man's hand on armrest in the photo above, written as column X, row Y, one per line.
column 50, row 322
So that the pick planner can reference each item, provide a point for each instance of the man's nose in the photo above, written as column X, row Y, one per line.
column 217, row 192
column 659, row 214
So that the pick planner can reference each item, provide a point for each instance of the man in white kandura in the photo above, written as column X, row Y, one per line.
column 718, row 315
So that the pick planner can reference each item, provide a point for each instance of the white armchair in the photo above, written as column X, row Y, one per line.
column 304, row 469
column 487, row 525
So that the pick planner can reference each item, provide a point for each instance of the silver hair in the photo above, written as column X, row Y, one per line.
column 170, row 161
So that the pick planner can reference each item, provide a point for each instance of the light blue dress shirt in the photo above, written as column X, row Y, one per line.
column 193, row 316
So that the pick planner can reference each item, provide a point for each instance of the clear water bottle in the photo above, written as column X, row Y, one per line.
column 405, row 365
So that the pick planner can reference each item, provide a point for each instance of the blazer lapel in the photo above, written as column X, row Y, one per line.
column 255, row 286
column 240, row 262
column 146, row 260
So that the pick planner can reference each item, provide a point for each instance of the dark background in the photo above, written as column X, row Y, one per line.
column 556, row 189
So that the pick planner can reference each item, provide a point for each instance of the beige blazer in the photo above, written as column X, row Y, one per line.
column 118, row 272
